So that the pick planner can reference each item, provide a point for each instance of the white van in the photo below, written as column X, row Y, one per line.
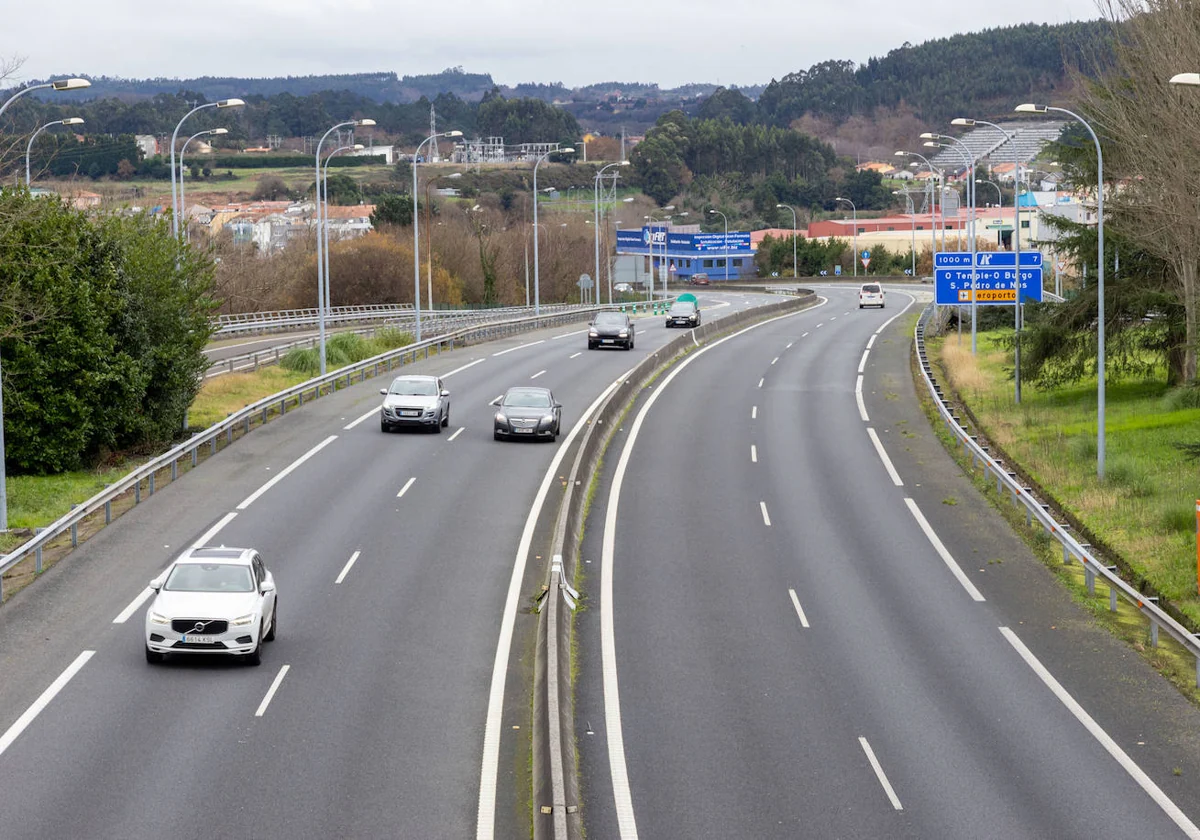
column 870, row 294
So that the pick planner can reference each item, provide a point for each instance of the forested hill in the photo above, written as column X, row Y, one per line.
column 992, row 70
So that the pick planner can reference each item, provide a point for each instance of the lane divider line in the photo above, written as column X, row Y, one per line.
column 456, row 434
column 753, row 412
column 365, row 417
column 789, row 345
column 1122, row 758
column 536, row 375
column 883, row 456
column 404, row 489
column 286, row 472
column 567, row 335
column 879, row 774
column 27, row 717
column 766, row 517
column 464, row 367
column 858, row 397
column 346, row 569
column 799, row 609
column 804, row 336
column 862, row 363
column 519, row 347
column 776, row 359
column 573, row 355
column 761, row 381
column 871, row 340
column 753, row 454
column 266, row 701
column 940, row 548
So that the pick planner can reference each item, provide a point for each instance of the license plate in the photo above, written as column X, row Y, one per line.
column 192, row 638
column 410, row 413
column 606, row 341
column 523, row 431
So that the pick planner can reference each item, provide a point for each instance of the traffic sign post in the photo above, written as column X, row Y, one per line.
column 866, row 259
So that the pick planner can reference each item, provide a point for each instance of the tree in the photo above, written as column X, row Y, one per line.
column 392, row 210
column 125, row 169
column 270, row 188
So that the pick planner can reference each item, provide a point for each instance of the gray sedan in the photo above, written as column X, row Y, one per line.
column 527, row 412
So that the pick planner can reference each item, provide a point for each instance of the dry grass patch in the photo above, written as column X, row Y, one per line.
column 225, row 395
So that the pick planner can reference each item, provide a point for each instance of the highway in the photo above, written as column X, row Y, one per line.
column 397, row 557
column 801, row 620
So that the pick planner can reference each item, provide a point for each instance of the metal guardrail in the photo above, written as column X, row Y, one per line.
column 253, row 416
column 253, row 322
column 1007, row 481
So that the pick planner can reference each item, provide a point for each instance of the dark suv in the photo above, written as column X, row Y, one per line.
column 610, row 329
column 683, row 313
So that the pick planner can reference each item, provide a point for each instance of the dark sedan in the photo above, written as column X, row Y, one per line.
column 610, row 329
column 683, row 313
column 527, row 412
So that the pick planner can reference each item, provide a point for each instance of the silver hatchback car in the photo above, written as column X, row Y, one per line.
column 415, row 400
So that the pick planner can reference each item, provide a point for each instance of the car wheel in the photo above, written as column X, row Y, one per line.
column 591, row 346
column 383, row 427
column 270, row 637
column 860, row 306
column 446, row 420
column 497, row 436
column 437, row 427
column 254, row 657
column 152, row 657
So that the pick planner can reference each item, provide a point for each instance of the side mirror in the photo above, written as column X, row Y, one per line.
column 156, row 584
column 558, row 405
column 266, row 586
column 495, row 401
column 445, row 393
column 383, row 391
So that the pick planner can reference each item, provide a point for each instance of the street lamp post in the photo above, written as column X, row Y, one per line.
column 324, row 227
column 321, row 279
column 969, row 159
column 32, row 137
column 537, row 294
column 596, row 225
column 223, row 103
column 429, row 182
column 182, row 203
column 58, row 84
column 855, row 209
column 935, row 173
column 652, row 219
column 724, row 242
column 795, row 265
column 416, row 231
column 1029, row 108
column 912, row 215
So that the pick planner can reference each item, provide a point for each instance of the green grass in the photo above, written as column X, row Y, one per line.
column 1144, row 507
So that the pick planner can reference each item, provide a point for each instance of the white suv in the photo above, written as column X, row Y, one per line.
column 870, row 294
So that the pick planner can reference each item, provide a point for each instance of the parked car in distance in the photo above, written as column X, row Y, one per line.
column 684, row 313
column 622, row 287
column 870, row 294
column 212, row 600
column 699, row 279
column 415, row 400
column 526, row 412
column 610, row 329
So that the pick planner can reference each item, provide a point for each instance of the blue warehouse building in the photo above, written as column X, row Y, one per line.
column 686, row 254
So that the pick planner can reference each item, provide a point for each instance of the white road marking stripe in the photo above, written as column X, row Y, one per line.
column 832, row 318
column 887, row 462
column 565, row 335
column 366, row 416
column 346, row 569
column 464, row 367
column 618, row 769
column 407, row 484
column 883, row 780
column 820, row 325
column 766, row 518
column 536, row 375
column 456, row 434
column 761, row 381
column 799, row 609
column 947, row 558
column 1127, row 764
column 858, row 397
column 266, row 701
column 911, row 301
column 485, row 819
column 27, row 717
column 753, row 454
column 753, row 412
column 776, row 359
column 520, row 347
column 573, row 355
column 285, row 472
column 871, row 340
column 789, row 345
column 804, row 336
column 862, row 363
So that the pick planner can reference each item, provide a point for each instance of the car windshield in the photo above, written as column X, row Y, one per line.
column 871, row 289
column 527, row 399
column 682, row 308
column 210, row 577
column 610, row 319
column 414, row 388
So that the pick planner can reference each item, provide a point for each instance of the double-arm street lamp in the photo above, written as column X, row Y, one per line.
column 855, row 211
column 182, row 203
column 58, row 84
column 416, row 229
column 429, row 182
column 912, row 215
column 175, row 205
column 537, row 294
column 934, row 173
column 596, row 223
column 725, row 241
column 323, row 229
column 968, row 157
column 662, row 262
column 795, row 266
column 1030, row 108
column 32, row 137
column 321, row 279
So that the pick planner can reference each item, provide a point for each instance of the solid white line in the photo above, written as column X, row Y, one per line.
column 753, row 412
column 347, row 567
column 799, row 609
column 776, row 359
column 565, row 335
column 887, row 462
column 753, row 454
column 573, row 355
column 407, row 484
column 207, row 536
column 485, row 820
column 947, row 558
column 366, row 416
column 1127, row 764
column 766, row 519
column 887, row 786
column 464, row 367
column 618, row 769
column 456, row 434
column 536, row 375
column 43, row 701
column 862, row 363
column 285, row 472
column 911, row 301
column 871, row 340
column 858, row 397
column 266, row 701
column 520, row 347
column 761, row 381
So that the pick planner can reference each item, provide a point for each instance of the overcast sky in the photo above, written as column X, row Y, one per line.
column 670, row 42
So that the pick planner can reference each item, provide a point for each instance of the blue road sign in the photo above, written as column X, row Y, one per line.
column 866, row 255
column 993, row 286
column 837, row 271
column 958, row 259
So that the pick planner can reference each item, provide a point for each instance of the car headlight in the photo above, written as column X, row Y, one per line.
column 548, row 418
column 500, row 418
column 592, row 334
column 243, row 620
column 156, row 618
column 429, row 412
column 623, row 334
